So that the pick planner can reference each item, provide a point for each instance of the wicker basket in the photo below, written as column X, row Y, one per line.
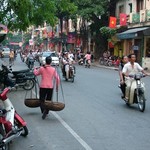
column 33, row 103
column 54, row 106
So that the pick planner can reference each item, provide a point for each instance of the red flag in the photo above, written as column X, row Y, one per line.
column 112, row 22
column 123, row 19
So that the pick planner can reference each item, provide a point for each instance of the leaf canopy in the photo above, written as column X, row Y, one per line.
column 20, row 14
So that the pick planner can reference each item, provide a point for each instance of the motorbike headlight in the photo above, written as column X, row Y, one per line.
column 138, row 76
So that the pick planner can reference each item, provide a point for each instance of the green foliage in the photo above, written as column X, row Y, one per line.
column 44, row 10
column 107, row 32
column 88, row 8
column 20, row 14
column 12, row 38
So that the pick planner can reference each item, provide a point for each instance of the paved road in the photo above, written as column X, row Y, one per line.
column 95, row 117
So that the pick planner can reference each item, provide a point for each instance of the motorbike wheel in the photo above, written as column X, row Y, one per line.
column 109, row 64
column 72, row 76
column 31, row 66
column 101, row 61
column 2, row 134
column 72, row 79
column 25, row 131
column 29, row 84
column 141, row 102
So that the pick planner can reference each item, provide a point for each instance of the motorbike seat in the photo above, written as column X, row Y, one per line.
column 21, row 75
column 20, row 71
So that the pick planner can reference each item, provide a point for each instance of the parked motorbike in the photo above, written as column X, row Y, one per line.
column 21, row 78
column 137, row 92
column 81, row 61
column 12, row 124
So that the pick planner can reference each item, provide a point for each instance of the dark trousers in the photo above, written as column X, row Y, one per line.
column 123, row 88
column 45, row 94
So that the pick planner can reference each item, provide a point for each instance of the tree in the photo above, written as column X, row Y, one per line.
column 97, row 12
column 65, row 9
column 20, row 14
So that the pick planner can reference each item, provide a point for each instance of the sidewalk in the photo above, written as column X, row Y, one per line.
column 96, row 64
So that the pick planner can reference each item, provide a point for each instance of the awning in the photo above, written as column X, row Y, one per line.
column 131, row 33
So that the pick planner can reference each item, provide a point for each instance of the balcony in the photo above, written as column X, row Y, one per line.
column 140, row 17
column 135, row 17
column 148, row 15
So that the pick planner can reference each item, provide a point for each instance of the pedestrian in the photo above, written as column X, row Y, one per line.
column 11, row 57
column 49, row 76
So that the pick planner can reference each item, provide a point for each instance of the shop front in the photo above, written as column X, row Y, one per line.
column 134, row 42
column 146, row 57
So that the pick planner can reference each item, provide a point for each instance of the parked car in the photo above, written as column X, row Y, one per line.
column 5, row 52
column 54, row 56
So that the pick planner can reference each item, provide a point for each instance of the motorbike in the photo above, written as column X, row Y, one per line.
column 81, row 61
column 30, row 63
column 137, row 92
column 12, row 125
column 21, row 78
column 87, row 63
column 71, row 73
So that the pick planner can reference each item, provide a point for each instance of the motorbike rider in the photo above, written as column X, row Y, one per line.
column 87, row 58
column 65, row 67
column 129, row 69
column 48, row 73
column 122, row 85
column 11, row 57
column 30, row 57
column 70, row 55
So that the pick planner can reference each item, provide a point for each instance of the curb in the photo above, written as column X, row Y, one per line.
column 106, row 67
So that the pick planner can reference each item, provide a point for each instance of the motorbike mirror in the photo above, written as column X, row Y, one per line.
column 3, row 65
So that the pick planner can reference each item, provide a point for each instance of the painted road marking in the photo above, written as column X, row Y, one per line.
column 73, row 133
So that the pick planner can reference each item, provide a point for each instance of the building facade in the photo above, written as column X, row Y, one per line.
column 136, row 37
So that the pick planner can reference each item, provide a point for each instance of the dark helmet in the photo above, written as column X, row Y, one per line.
column 48, row 60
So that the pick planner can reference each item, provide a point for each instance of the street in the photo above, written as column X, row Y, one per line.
column 94, row 118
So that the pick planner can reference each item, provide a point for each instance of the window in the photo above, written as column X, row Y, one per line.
column 121, row 9
column 130, row 5
column 139, row 5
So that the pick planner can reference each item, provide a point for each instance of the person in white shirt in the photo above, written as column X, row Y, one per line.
column 129, row 69
column 66, row 61
column 71, row 56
